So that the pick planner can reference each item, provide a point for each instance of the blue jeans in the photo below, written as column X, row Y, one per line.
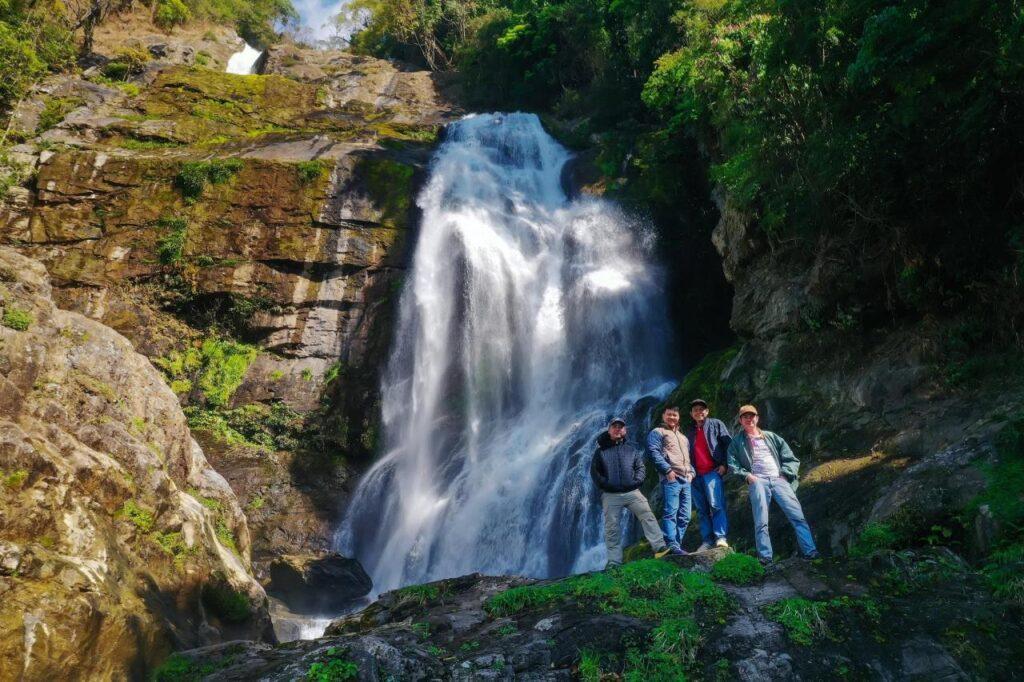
column 761, row 494
column 709, row 499
column 676, row 511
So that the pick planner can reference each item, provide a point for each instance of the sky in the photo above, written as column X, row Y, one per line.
column 317, row 17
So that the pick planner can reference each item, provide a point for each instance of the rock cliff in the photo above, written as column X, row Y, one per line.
column 247, row 233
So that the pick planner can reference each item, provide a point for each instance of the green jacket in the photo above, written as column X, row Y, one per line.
column 741, row 461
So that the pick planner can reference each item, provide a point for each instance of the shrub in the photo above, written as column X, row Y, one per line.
column 194, row 176
column 740, row 569
column 310, row 170
column 17, row 318
column 874, row 537
column 54, row 111
column 171, row 13
column 332, row 670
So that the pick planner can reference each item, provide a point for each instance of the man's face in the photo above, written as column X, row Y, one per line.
column 671, row 418
column 699, row 413
column 617, row 431
column 748, row 420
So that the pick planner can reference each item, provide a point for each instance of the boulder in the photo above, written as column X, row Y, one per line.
column 317, row 583
column 118, row 541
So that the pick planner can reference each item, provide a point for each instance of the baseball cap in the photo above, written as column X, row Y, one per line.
column 617, row 420
column 748, row 408
column 698, row 401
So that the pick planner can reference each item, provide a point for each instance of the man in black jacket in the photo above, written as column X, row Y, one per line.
column 618, row 470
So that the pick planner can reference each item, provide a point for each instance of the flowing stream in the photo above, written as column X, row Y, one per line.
column 527, row 320
column 244, row 61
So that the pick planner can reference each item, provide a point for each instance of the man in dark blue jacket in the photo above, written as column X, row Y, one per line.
column 618, row 471
column 709, row 447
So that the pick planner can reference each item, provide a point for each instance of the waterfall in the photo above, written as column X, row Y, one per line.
column 244, row 61
column 526, row 321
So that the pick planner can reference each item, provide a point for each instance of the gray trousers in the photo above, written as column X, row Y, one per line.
column 636, row 503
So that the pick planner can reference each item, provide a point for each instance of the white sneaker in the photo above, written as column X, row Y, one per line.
column 720, row 542
column 704, row 546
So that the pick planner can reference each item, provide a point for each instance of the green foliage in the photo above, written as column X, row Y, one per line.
column 34, row 40
column 739, row 569
column 226, row 537
column 310, row 171
column 336, row 369
column 178, row 668
column 590, row 666
column 142, row 518
column 17, row 319
column 226, row 602
column 1004, row 567
column 195, row 175
column 332, row 670
column 874, row 537
column 171, row 246
column 54, row 111
column 216, row 368
column 171, row 13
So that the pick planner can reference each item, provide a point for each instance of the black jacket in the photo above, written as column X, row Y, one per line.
column 717, row 435
column 617, row 466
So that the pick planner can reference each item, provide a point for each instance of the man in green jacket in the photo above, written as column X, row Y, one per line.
column 765, row 461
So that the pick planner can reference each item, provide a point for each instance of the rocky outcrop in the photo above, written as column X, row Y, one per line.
column 318, row 583
column 891, row 616
column 118, row 541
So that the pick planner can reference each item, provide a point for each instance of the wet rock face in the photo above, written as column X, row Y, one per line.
column 319, row 583
column 118, row 541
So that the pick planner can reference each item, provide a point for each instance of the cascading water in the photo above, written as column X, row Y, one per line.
column 527, row 320
column 244, row 61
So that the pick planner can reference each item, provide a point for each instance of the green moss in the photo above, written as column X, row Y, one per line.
column 178, row 668
column 142, row 518
column 171, row 246
column 224, row 366
column 255, row 504
column 15, row 479
column 705, row 381
column 226, row 603
column 96, row 386
column 390, row 184
column 1004, row 567
column 740, row 569
column 17, row 319
column 307, row 374
column 216, row 425
column 310, row 171
column 226, row 537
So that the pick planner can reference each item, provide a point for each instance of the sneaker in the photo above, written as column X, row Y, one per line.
column 765, row 560
column 813, row 555
column 658, row 553
column 704, row 546
column 720, row 542
column 677, row 551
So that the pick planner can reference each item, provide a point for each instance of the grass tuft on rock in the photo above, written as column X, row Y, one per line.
column 648, row 589
column 739, row 569
column 806, row 621
column 140, row 517
column 193, row 177
column 171, row 246
column 17, row 319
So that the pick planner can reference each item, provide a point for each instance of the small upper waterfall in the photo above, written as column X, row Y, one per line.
column 526, row 321
column 244, row 61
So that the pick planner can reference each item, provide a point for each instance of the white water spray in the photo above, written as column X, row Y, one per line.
column 527, row 321
column 244, row 61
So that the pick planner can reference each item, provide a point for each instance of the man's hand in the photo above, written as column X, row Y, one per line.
column 751, row 479
column 670, row 476
column 721, row 470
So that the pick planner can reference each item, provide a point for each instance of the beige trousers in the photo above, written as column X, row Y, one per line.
column 636, row 503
